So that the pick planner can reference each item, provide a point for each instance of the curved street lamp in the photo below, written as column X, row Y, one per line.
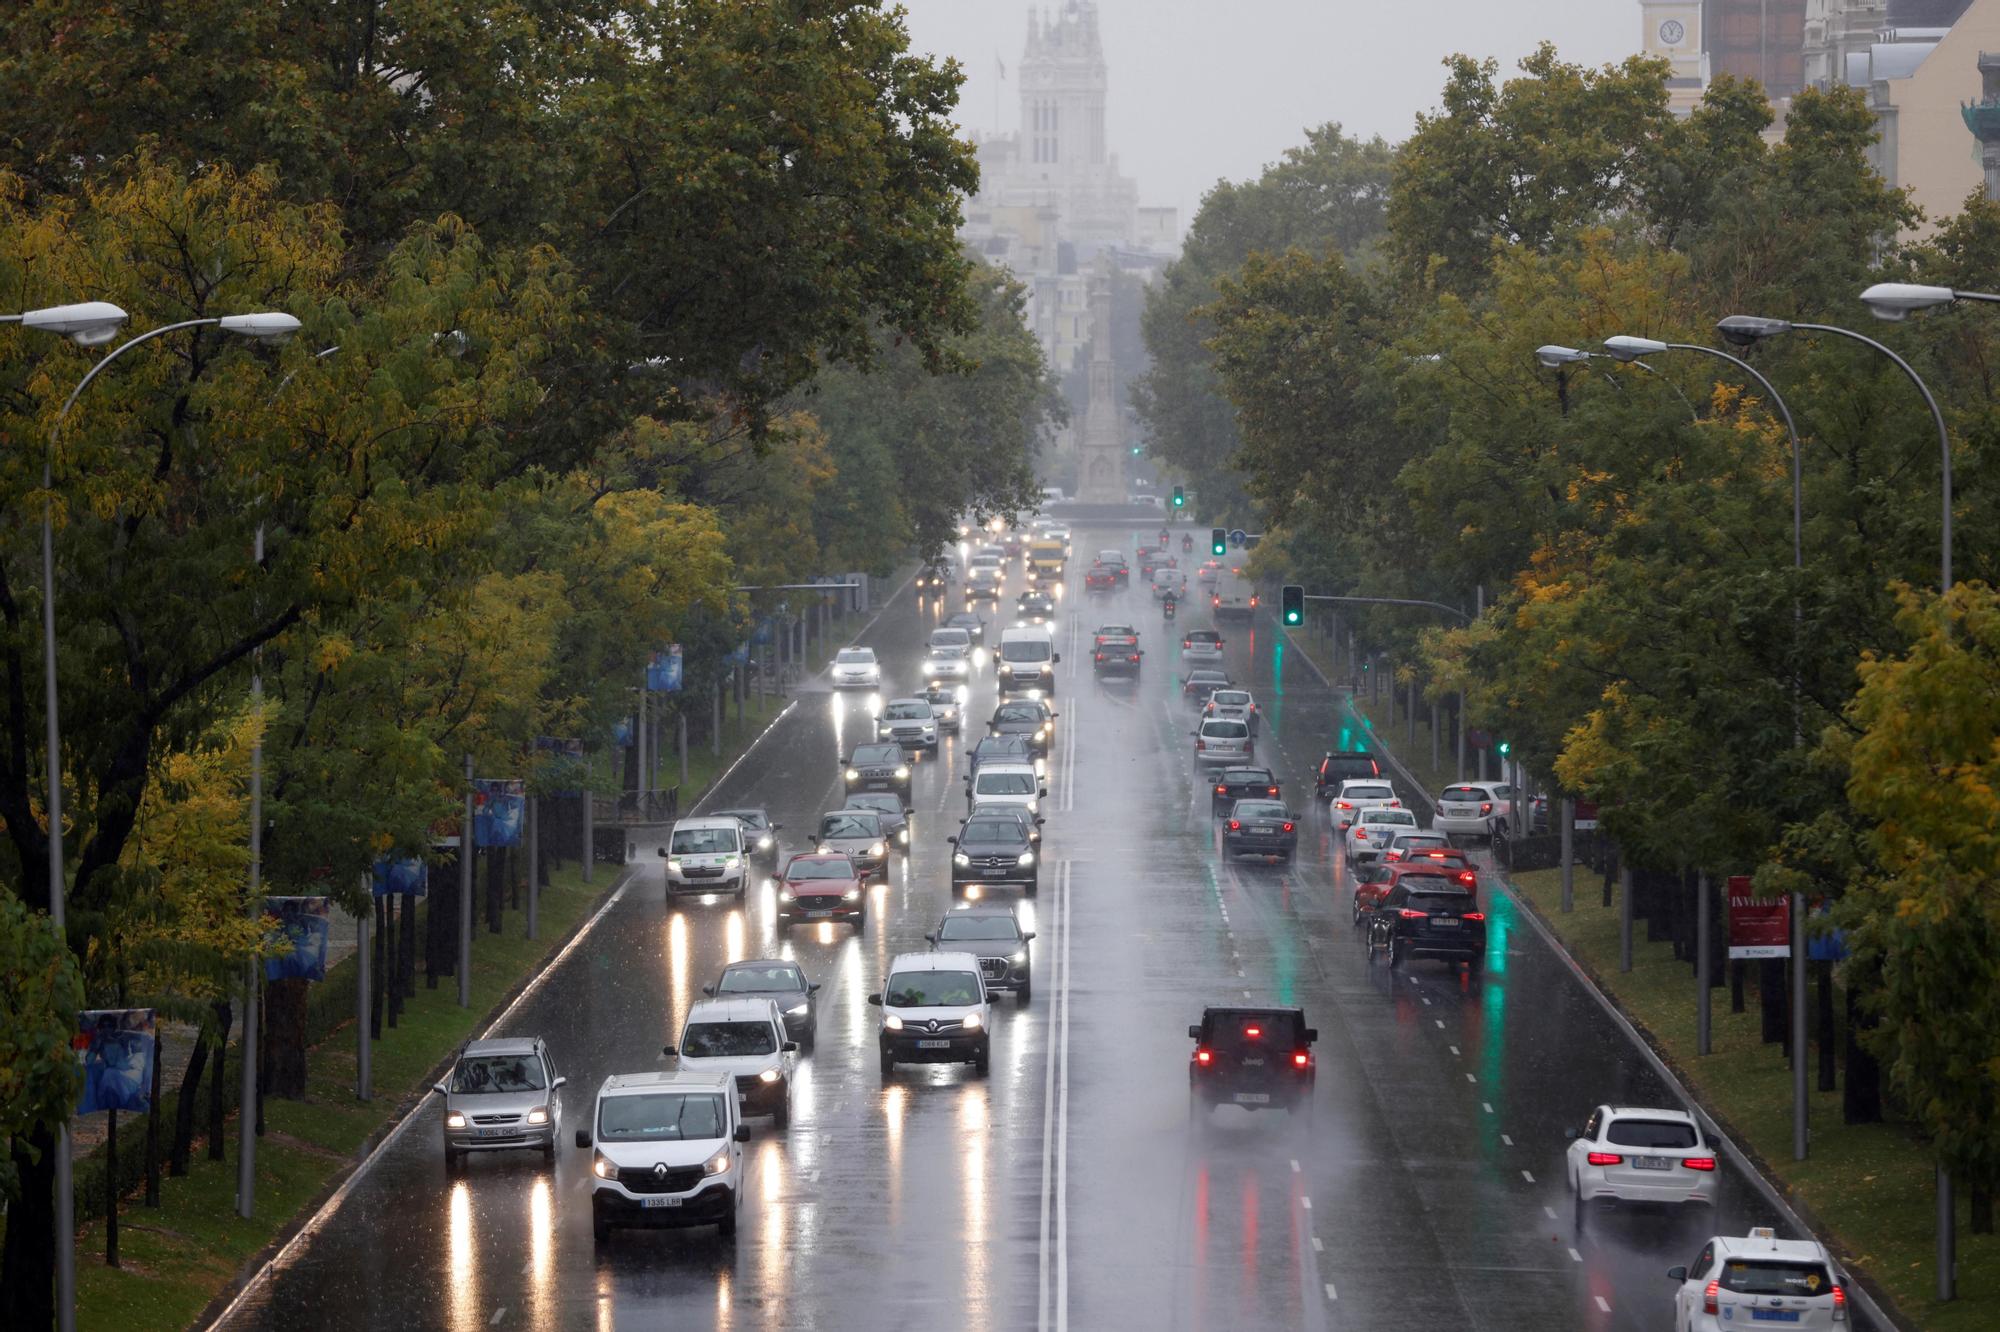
column 87, row 323
column 1895, row 300
column 1556, row 356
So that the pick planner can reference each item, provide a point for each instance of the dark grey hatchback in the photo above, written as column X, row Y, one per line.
column 1261, row 828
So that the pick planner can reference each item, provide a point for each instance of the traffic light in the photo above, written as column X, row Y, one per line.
column 1218, row 541
column 1506, row 748
column 1293, row 605
column 1135, row 450
column 1180, row 498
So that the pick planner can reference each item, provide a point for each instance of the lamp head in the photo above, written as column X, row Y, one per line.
column 265, row 326
column 1624, row 348
column 1748, row 330
column 1894, row 300
column 87, row 323
column 1551, row 355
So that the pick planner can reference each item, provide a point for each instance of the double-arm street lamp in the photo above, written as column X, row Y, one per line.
column 1555, row 357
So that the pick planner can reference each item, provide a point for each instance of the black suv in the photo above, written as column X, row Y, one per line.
column 1116, row 651
column 1258, row 1058
column 1234, row 784
column 880, row 767
column 993, row 851
column 994, row 936
column 1027, row 718
column 1342, row 765
column 1442, row 922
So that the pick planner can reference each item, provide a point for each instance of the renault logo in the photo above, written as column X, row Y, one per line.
column 659, row 1170
column 932, row 1024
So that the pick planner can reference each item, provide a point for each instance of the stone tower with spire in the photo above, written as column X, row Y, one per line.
column 1100, row 470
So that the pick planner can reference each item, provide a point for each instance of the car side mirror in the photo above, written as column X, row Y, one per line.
column 1677, row 1274
column 909, row 813
column 812, row 987
column 583, row 1138
column 776, row 827
column 1194, row 1031
column 1312, row 1034
column 1044, row 792
column 1029, row 935
column 437, row 1087
column 814, row 839
column 708, row 990
column 931, row 939
column 953, row 840
column 1039, row 820
column 557, row 1083
column 1055, row 657
column 875, row 999
column 789, row 1047
column 663, row 853
column 667, row 1050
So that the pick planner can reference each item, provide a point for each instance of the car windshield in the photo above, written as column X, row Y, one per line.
column 721, row 1040
column 1248, row 777
column 855, row 657
column 1389, row 818
column 671, row 1116
column 931, row 989
column 497, row 1073
column 1007, row 832
column 1258, row 809
column 908, row 712
column 1420, row 841
column 978, row 927
column 881, row 802
column 1204, row 636
column 1368, row 793
column 966, row 622
column 761, row 980
column 1210, row 678
column 1224, row 730
column 835, row 868
column 704, row 841
column 1650, row 1133
column 1437, row 899
column 947, row 651
column 1464, row 793
column 857, row 824
column 1006, row 783
column 887, row 755
column 1242, row 1032
column 1027, row 712
column 950, row 638
column 1775, row 1276
column 750, row 818
column 1030, row 649
column 1115, row 631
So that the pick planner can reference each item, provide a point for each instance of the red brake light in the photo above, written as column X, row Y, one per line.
column 1222, row 790
column 1485, row 807
column 1253, row 601
column 1135, row 656
column 1605, row 1158
column 1467, row 878
column 1100, row 656
column 1253, row 1031
column 1202, row 1056
column 1235, row 826
column 1301, row 1059
column 1395, row 804
column 1288, row 827
column 1408, row 914
column 1699, row 1163
column 1435, row 855
column 1839, row 1304
column 1708, row 1297
column 1342, row 804
column 1187, row 642
column 1272, row 789
column 1473, row 915
column 1360, row 834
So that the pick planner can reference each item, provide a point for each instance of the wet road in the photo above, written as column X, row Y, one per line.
column 1068, row 1188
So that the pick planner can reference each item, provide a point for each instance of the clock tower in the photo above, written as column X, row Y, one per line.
column 1672, row 32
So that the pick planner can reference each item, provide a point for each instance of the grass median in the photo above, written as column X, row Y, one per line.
column 1867, row 1186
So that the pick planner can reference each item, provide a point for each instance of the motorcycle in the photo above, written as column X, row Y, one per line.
column 1167, row 605
column 1187, row 544
column 1164, row 537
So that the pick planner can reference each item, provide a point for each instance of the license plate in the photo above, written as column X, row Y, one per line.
column 818, row 915
column 1652, row 1163
column 994, row 873
column 934, row 1045
column 662, row 1202
column 498, row 1132
column 1265, row 828
column 1774, row 1315
column 1253, row 1098
column 1444, row 923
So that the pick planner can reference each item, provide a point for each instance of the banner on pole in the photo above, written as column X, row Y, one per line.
column 304, row 923
column 411, row 878
column 663, row 671
column 116, row 1048
column 1759, row 927
column 499, row 805
column 1828, row 946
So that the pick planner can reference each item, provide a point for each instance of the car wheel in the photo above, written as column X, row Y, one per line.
column 1034, row 885
column 549, row 1152
column 451, row 1161
column 982, row 1060
column 726, row 1227
column 1579, row 1212
column 1395, row 955
column 810, row 1036
column 1474, row 965
column 1022, row 995
column 600, row 1229
column 781, row 1118
column 888, row 1064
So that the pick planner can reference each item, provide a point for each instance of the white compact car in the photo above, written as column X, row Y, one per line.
column 743, row 1039
column 666, row 1150
column 856, row 668
column 1476, row 809
column 910, row 722
column 1759, row 1280
column 1238, row 703
column 1629, row 1154
column 1220, row 741
column 1359, row 793
column 934, row 1011
column 1372, row 831
column 707, row 856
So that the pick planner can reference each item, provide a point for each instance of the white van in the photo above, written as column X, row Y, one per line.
column 1234, row 595
column 706, row 856
column 1026, row 660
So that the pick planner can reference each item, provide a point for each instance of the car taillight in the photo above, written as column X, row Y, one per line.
column 1300, row 1059
column 1474, row 915
column 1187, row 642
column 1288, row 827
column 1234, row 826
column 1253, row 1032
column 1360, row 834
column 1436, row 855
column 1272, row 789
column 1839, row 1304
column 1253, row 601
column 1100, row 656
column 1222, row 790
column 1200, row 745
column 1605, row 1158
column 1100, row 640
column 1342, row 804
column 1135, row 656
column 1485, row 807
column 1708, row 1297
column 1698, row 1162
column 1408, row 914
column 1466, row 877
column 1395, row 804
column 1202, row 1056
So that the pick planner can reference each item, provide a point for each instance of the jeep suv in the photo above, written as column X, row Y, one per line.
column 666, row 1150
column 1256, row 1058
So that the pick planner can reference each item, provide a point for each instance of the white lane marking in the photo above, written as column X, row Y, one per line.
column 1246, row 994
column 1602, row 1303
column 498, row 1314
column 1062, row 1126
column 1295, row 1167
column 1317, row 1246
column 1330, row 1294
column 1487, row 1106
column 1509, row 1141
column 1427, row 1004
column 527, row 1267
column 1440, row 1022
column 1454, row 1049
column 1575, row 1257
column 1049, row 1103
column 1525, row 1175
column 1470, row 1078
column 1550, row 1210
column 1305, row 1202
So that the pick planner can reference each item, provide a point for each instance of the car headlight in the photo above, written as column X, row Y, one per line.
column 784, row 894
column 903, row 836
column 879, row 849
column 1018, row 958
column 1027, row 858
column 763, row 844
column 454, row 1120
column 538, row 1115
column 902, row 774
column 1032, row 806
column 602, row 1168
column 673, row 866
column 768, row 1075
column 1047, row 669
column 718, row 1164
column 1042, row 733
column 961, row 859
column 973, row 1022
column 853, row 774
column 851, row 895
column 798, row 1010
column 891, row 1022
column 732, row 862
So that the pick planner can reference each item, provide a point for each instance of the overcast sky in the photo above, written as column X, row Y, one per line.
column 1209, row 89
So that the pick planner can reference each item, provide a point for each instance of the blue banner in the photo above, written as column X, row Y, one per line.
column 410, row 877
column 663, row 671
column 499, row 806
column 305, row 922
column 116, row 1047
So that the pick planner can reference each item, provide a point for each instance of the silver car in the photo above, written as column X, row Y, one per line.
column 1222, row 741
column 858, row 834
column 501, row 1095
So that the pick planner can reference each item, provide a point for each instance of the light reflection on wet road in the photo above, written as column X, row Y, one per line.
column 1070, row 1187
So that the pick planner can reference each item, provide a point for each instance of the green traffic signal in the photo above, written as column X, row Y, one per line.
column 1294, row 605
column 1506, row 748
column 1180, row 498
column 1218, row 541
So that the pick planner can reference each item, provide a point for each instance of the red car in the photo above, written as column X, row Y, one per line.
column 1452, row 860
column 1369, row 894
column 1100, row 578
column 822, row 886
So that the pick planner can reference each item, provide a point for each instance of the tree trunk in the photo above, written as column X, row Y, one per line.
column 216, row 1138
column 184, row 1109
column 1771, row 999
column 28, row 1261
column 153, row 1128
column 1861, row 1097
column 1824, row 985
column 111, row 1188
column 285, row 1038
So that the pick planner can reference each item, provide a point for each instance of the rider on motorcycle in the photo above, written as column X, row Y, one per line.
column 1167, row 603
column 1187, row 544
column 1163, row 538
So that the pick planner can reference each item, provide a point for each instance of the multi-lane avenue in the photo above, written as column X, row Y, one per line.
column 1067, row 1188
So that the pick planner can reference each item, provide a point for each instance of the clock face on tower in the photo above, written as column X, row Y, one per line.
column 1671, row 32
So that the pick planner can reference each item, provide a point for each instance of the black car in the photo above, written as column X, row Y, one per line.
column 1261, row 828
column 994, row 852
column 933, row 577
column 779, row 979
column 759, row 833
column 1031, row 822
column 969, row 622
column 1257, row 1058
column 1244, row 783
column 1441, row 922
column 992, row 934
column 877, row 767
column 1000, row 749
column 945, row 706
column 895, row 816
column 1026, row 717
column 1035, row 607
column 1342, row 765
column 1116, row 651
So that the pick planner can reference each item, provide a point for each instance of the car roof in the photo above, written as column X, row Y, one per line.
column 1768, row 1245
column 1208, row 673
column 1251, row 1010
column 1346, row 782
column 1652, row 1112
column 878, row 744
column 1248, row 767
column 911, row 699
column 868, row 650
column 933, row 962
column 1395, row 816
column 506, row 1045
column 729, row 1010
column 709, row 822
column 759, row 810
column 983, row 909
column 680, row 1079
column 857, row 813
column 765, row 963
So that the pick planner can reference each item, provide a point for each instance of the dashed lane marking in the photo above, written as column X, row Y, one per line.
column 1317, row 1246
column 1295, row 1167
column 1525, row 1175
column 1550, row 1210
column 1575, row 1257
column 1507, row 1140
column 1487, row 1106
column 1454, row 1049
column 1330, row 1294
column 498, row 1314
column 1470, row 1078
column 1602, row 1303
column 1306, row 1202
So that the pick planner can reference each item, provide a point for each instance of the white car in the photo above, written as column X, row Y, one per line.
column 1221, row 741
column 1240, row 704
column 1759, row 1280
column 1475, row 809
column 1630, row 1154
column 1372, row 831
column 707, row 856
column 1359, row 793
column 934, row 1011
column 856, row 668
column 942, row 662
column 743, row 1040
column 1201, row 645
column 665, row 1150
column 910, row 722
column 1005, row 784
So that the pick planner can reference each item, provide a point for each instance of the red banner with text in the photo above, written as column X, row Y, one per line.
column 1758, row 926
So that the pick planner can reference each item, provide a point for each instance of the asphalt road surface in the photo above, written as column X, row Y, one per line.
column 1068, row 1188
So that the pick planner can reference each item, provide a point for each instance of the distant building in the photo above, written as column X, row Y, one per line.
column 1672, row 31
column 1759, row 40
column 1919, row 79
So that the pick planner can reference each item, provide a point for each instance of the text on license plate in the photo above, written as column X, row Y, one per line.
column 663, row 1202
column 1253, row 1098
column 1652, row 1163
column 995, row 871
column 1444, row 923
column 498, row 1132
column 934, row 1045
column 1774, row 1315
column 818, row 915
